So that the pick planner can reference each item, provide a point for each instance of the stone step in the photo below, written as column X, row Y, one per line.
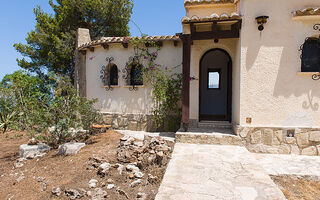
column 209, row 136
column 215, row 124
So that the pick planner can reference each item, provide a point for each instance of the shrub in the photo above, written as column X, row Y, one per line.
column 7, row 112
column 24, row 95
column 48, row 110
column 67, row 115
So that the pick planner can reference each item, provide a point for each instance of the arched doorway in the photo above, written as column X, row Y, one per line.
column 215, row 85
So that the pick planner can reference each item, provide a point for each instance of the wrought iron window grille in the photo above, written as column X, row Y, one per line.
column 106, row 75
column 127, row 73
column 304, row 55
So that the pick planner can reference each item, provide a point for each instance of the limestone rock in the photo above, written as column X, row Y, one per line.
column 126, row 140
column 70, row 148
column 73, row 194
column 153, row 179
column 43, row 187
column 33, row 141
column 107, row 119
column 133, row 126
column 93, row 183
column 290, row 140
column 302, row 139
column 40, row 179
column 104, row 169
column 245, row 131
column 121, row 192
column 18, row 165
column 295, row 150
column 318, row 148
column 135, row 183
column 115, row 123
column 314, row 136
column 255, row 137
column 133, row 168
column 110, row 186
column 142, row 196
column 31, row 151
column 138, row 175
column 110, row 181
column 120, row 168
column 98, row 194
column 56, row 191
column 309, row 151
column 279, row 135
column 268, row 137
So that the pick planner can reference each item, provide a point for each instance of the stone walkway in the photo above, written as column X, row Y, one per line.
column 219, row 172
column 277, row 164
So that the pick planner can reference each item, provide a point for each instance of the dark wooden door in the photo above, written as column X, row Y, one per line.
column 215, row 86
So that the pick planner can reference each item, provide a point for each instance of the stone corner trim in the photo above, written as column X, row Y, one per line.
column 306, row 141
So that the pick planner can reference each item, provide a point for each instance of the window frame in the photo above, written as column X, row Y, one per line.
column 133, row 81
column 112, row 67
column 305, row 58
column 208, row 73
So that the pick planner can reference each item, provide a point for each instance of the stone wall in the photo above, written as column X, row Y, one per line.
column 133, row 122
column 304, row 141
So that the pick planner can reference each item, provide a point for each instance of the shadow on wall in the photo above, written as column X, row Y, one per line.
column 282, row 57
column 124, row 101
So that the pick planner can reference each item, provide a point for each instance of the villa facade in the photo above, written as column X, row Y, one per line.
column 255, row 65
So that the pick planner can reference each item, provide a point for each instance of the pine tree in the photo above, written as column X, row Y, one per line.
column 50, row 46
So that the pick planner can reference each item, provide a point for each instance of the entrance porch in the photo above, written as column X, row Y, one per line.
column 211, row 72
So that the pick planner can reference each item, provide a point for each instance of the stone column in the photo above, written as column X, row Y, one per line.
column 83, row 37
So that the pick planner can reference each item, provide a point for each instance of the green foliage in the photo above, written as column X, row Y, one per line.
column 50, row 47
column 7, row 112
column 66, row 114
column 166, row 85
column 50, row 110
column 25, row 96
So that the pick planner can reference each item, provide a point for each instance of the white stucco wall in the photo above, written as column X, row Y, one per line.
column 272, row 93
column 121, row 100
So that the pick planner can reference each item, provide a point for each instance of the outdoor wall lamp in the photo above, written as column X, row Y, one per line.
column 261, row 20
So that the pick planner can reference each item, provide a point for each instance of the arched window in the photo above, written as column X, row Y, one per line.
column 310, row 59
column 136, row 74
column 113, row 74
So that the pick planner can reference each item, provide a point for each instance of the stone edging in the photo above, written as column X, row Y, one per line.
column 305, row 141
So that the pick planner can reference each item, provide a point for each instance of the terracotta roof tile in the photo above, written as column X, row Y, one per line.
column 201, row 2
column 212, row 17
column 110, row 40
column 307, row 12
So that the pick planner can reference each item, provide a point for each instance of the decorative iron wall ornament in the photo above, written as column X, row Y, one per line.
column 127, row 72
column 316, row 77
column 105, row 74
column 316, row 27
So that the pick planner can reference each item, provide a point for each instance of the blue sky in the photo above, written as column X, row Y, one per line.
column 154, row 17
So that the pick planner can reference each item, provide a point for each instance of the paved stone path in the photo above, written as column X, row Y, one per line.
column 203, row 172
column 277, row 164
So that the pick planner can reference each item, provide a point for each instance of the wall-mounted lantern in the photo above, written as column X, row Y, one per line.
column 261, row 20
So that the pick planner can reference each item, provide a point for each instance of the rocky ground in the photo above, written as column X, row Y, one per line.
column 110, row 166
column 298, row 187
